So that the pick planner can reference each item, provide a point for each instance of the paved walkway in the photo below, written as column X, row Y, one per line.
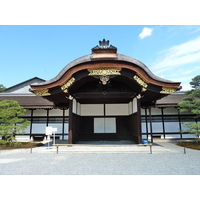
column 159, row 146
column 166, row 159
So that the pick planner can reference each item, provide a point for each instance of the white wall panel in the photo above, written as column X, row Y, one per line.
column 117, row 109
column 156, row 111
column 39, row 112
column 27, row 113
column 92, row 110
column 110, row 125
column 99, row 125
column 104, row 125
column 74, row 106
column 134, row 105
column 55, row 112
column 78, row 109
column 172, row 111
column 143, row 111
column 67, row 112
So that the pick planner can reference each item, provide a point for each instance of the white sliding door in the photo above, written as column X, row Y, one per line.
column 105, row 125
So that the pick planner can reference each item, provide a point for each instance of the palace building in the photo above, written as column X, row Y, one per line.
column 102, row 96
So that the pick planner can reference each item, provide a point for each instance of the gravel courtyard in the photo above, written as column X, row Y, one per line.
column 166, row 159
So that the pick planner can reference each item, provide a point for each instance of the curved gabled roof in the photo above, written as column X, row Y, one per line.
column 105, row 60
column 89, row 58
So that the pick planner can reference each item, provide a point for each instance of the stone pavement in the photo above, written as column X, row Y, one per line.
column 159, row 146
column 166, row 159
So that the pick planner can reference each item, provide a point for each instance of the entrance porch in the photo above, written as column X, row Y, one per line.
column 100, row 122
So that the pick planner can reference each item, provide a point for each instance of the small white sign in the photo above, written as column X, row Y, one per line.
column 49, row 130
column 54, row 129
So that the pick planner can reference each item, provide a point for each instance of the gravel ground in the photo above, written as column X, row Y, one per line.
column 167, row 159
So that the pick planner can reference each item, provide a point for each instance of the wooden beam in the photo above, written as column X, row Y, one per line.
column 70, row 122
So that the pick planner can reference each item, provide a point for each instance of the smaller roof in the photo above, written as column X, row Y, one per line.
column 29, row 102
column 171, row 100
column 24, row 86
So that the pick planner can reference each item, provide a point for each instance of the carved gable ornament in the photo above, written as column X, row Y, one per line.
column 104, row 72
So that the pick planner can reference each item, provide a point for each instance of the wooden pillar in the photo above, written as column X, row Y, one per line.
column 151, row 131
column 179, row 120
column 47, row 122
column 163, row 122
column 146, row 122
column 139, row 128
column 63, row 124
column 70, row 136
column 31, row 125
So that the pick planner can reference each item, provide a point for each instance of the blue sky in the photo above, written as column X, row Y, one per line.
column 171, row 52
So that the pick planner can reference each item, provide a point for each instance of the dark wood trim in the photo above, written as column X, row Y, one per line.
column 47, row 123
column 163, row 122
column 147, row 127
column 70, row 122
column 180, row 127
column 31, row 125
column 63, row 124
column 139, row 124
column 151, row 128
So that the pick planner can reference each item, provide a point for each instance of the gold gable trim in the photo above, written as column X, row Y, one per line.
column 66, row 85
column 104, row 72
column 141, row 82
column 42, row 93
column 167, row 90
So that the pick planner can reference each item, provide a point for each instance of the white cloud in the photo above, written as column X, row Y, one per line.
column 177, row 56
column 145, row 32
column 179, row 63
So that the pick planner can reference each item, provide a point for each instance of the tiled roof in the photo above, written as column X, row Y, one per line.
column 170, row 100
column 39, row 102
column 29, row 101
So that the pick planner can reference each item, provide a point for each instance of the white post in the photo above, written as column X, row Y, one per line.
column 48, row 133
column 54, row 133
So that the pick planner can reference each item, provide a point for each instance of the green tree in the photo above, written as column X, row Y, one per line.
column 2, row 88
column 10, row 122
column 191, row 103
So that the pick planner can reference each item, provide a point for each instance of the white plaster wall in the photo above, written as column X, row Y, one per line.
column 172, row 111
column 143, row 111
column 78, row 109
column 117, row 109
column 39, row 112
column 92, row 109
column 27, row 113
column 55, row 112
column 134, row 105
column 67, row 112
column 74, row 106
column 155, row 111
column 130, row 108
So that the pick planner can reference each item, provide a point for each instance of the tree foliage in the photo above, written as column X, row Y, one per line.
column 10, row 122
column 191, row 104
column 2, row 88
